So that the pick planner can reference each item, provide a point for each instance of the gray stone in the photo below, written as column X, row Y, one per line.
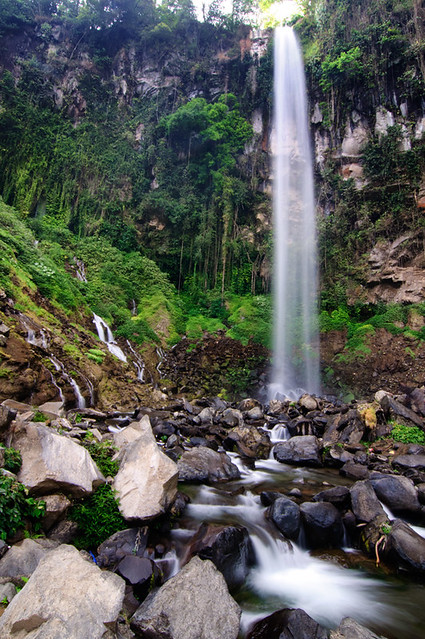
column 404, row 462
column 193, row 604
column 396, row 411
column 255, row 413
column 231, row 417
column 287, row 624
column 302, row 450
column 397, row 492
column 52, row 410
column 146, row 482
column 322, row 524
column 56, row 507
column 308, row 402
column 67, row 597
column 350, row 629
column 131, row 541
column 204, row 464
column 285, row 514
column 53, row 462
column 7, row 591
column 405, row 547
column 365, row 504
column 339, row 496
column 207, row 416
column 64, row 531
column 23, row 558
column 248, row 441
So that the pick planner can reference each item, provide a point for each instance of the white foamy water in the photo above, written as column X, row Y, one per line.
column 105, row 335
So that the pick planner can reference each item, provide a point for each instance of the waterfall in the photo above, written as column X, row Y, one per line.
column 106, row 336
column 295, row 338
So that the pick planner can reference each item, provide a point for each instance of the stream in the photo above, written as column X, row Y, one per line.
column 328, row 585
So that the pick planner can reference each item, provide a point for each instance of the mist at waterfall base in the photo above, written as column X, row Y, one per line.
column 295, row 368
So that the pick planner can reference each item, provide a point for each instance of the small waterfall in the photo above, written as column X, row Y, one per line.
column 80, row 270
column 161, row 356
column 81, row 402
column 36, row 336
column 138, row 363
column 295, row 348
column 106, row 336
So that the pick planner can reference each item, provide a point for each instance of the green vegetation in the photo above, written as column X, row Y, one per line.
column 102, row 453
column 97, row 517
column 407, row 434
column 17, row 510
column 39, row 417
column 12, row 459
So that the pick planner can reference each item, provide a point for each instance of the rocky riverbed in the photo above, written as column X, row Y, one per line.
column 176, row 568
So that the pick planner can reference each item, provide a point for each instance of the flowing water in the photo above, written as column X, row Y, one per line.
column 295, row 341
column 286, row 575
column 106, row 336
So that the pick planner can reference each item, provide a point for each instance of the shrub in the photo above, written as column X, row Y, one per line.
column 102, row 453
column 12, row 459
column 407, row 434
column 16, row 508
column 97, row 517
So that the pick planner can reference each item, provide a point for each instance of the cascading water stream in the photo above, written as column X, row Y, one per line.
column 295, row 341
column 106, row 336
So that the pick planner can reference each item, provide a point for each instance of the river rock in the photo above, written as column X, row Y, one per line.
column 204, row 464
column 131, row 541
column 355, row 471
column 405, row 462
column 346, row 428
column 7, row 592
column 53, row 462
column 365, row 504
column 207, row 415
column 56, row 507
column 285, row 514
column 146, row 482
column 141, row 573
column 228, row 547
column 248, row 441
column 405, row 547
column 350, row 629
column 67, row 597
column 256, row 413
column 322, row 524
column 231, row 417
column 397, row 492
column 303, row 450
column 248, row 404
column 308, row 402
column 339, row 496
column 193, row 604
column 23, row 558
column 289, row 623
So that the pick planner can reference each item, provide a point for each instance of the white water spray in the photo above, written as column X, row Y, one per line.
column 295, row 357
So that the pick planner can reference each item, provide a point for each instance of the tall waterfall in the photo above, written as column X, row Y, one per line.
column 295, row 347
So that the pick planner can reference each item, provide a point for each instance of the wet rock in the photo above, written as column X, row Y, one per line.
column 339, row 496
column 337, row 457
column 365, row 504
column 207, row 415
column 204, row 464
column 287, row 624
column 23, row 558
column 421, row 493
column 269, row 496
column 350, row 629
column 417, row 396
column 308, row 402
column 66, row 596
column 322, row 524
column 131, row 541
column 146, row 482
column 228, row 547
column 405, row 547
column 354, row 471
column 248, row 441
column 299, row 451
column 141, row 573
column 255, row 414
column 54, row 463
column 248, row 404
column 406, row 462
column 344, row 428
column 231, row 417
column 193, row 604
column 285, row 514
column 398, row 493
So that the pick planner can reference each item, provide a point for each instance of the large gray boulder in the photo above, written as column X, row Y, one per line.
column 397, row 492
column 146, row 483
column 302, row 450
column 322, row 524
column 53, row 462
column 350, row 629
column 248, row 441
column 289, row 623
column 405, row 547
column 195, row 603
column 23, row 558
column 67, row 597
column 364, row 502
column 205, row 464
column 285, row 514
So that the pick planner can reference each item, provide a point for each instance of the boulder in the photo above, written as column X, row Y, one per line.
column 146, row 483
column 64, row 531
column 56, row 507
column 395, row 411
column 299, row 451
column 7, row 592
column 365, row 504
column 405, row 462
column 397, row 492
column 405, row 547
column 204, row 464
column 231, row 417
column 308, row 402
column 141, row 573
column 355, row 471
column 23, row 558
column 7, row 415
column 287, row 624
column 131, row 541
column 207, row 415
column 248, row 404
column 67, row 597
column 339, row 496
column 228, row 547
column 346, row 428
column 193, row 604
column 322, row 524
column 256, row 413
column 53, row 462
column 248, row 441
column 350, row 629
column 285, row 514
